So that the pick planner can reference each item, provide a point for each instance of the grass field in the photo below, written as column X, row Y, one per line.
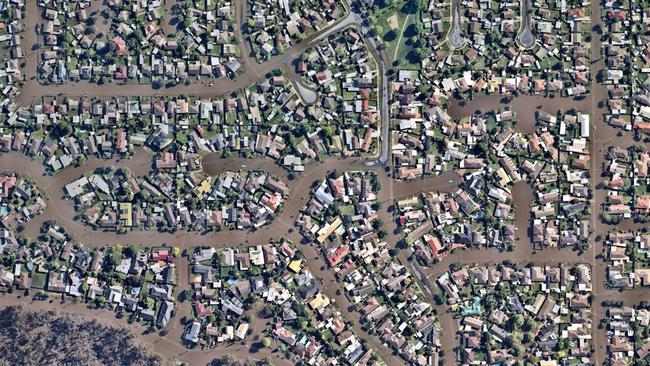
column 395, row 25
column 38, row 280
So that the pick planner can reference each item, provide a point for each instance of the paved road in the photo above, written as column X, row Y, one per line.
column 455, row 37
column 526, row 38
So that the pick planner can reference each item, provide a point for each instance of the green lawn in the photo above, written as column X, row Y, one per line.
column 396, row 39
column 347, row 210
column 38, row 280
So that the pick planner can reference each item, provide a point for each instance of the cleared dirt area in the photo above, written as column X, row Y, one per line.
column 393, row 22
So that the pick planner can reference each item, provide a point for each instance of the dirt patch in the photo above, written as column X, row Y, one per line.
column 171, row 17
column 393, row 22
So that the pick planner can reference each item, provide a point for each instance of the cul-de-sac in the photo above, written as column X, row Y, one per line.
column 325, row 182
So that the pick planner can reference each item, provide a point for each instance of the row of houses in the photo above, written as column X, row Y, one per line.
column 20, row 201
column 341, row 221
column 627, row 259
column 274, row 26
column 490, row 34
column 626, row 341
column 136, row 283
column 493, row 155
column 227, row 283
column 626, row 67
column 140, row 43
column 256, row 122
column 12, row 52
column 118, row 200
column 551, row 304
column 627, row 184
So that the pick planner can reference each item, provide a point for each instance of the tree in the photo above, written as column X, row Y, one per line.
column 291, row 139
column 129, row 252
column 266, row 341
column 303, row 323
column 116, row 258
column 212, row 319
column 515, row 339
column 185, row 295
column 63, row 129
column 419, row 54
column 327, row 131
column 68, row 38
column 255, row 271
column 84, row 287
column 304, row 129
column 516, row 322
column 379, row 29
column 412, row 6
column 528, row 337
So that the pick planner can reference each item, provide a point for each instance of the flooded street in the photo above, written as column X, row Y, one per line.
column 526, row 106
column 62, row 210
column 33, row 91
column 526, row 38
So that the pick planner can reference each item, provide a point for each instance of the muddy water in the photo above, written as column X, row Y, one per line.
column 214, row 165
column 171, row 20
column 522, row 194
column 32, row 90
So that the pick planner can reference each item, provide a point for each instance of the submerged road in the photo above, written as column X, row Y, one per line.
column 62, row 210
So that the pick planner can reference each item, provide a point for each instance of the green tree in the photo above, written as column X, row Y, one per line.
column 212, row 318
column 68, row 38
column 266, row 341
column 327, row 131
column 63, row 129
column 303, row 323
column 516, row 322
column 84, row 287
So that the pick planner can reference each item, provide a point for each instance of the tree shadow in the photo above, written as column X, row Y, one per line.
column 390, row 36
column 411, row 7
column 411, row 31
